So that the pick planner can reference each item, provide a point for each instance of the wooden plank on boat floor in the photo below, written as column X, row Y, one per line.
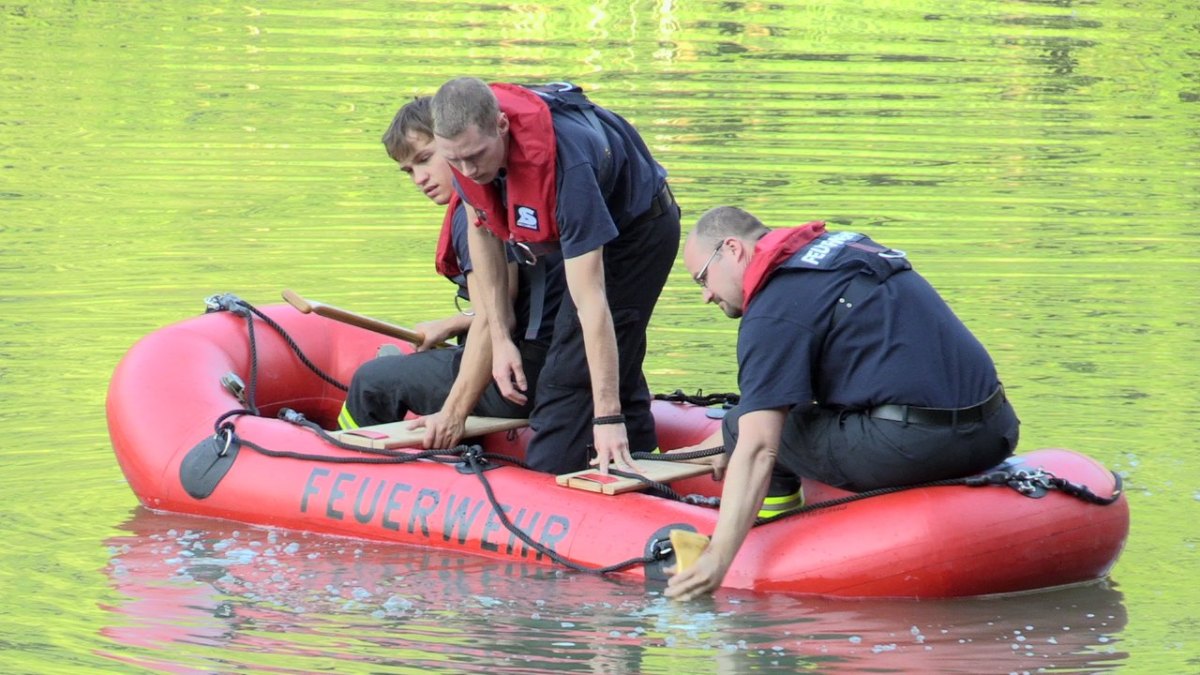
column 398, row 435
column 656, row 470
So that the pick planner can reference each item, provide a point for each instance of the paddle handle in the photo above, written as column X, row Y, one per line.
column 337, row 314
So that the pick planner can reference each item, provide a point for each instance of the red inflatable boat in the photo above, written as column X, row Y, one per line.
column 1047, row 518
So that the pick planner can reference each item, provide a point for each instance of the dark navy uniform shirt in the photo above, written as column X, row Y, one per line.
column 599, row 197
column 901, row 344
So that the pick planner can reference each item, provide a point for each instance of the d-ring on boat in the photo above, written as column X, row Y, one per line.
column 187, row 444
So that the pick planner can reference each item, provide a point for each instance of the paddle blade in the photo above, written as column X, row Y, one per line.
column 296, row 301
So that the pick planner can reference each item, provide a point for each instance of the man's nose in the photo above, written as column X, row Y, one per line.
column 708, row 295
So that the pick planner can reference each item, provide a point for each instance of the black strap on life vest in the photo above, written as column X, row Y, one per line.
column 537, row 299
column 572, row 95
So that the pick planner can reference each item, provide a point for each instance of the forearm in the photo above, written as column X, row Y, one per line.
column 746, row 480
column 442, row 329
column 585, row 281
column 715, row 439
column 745, row 487
column 600, row 344
column 458, row 324
column 474, row 373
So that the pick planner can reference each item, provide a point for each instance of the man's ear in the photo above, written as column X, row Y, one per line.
column 739, row 248
column 501, row 123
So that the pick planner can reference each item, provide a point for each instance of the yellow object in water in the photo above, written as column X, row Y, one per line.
column 688, row 546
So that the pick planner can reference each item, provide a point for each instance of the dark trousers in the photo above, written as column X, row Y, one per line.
column 387, row 388
column 636, row 265
column 855, row 452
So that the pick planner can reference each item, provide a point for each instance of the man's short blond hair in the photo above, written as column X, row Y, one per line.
column 462, row 102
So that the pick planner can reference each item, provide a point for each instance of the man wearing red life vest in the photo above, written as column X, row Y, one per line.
column 548, row 170
column 852, row 371
column 447, row 385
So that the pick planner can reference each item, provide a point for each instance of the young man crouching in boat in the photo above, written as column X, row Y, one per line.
column 447, row 385
column 548, row 168
column 852, row 369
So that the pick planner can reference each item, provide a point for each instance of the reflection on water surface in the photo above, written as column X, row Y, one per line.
column 1036, row 160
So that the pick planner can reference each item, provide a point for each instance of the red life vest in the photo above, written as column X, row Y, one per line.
column 446, row 261
column 772, row 251
column 531, row 172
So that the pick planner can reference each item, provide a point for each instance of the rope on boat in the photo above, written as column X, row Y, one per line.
column 472, row 456
column 727, row 400
column 1037, row 482
column 662, row 489
column 473, row 461
column 1033, row 484
column 232, row 303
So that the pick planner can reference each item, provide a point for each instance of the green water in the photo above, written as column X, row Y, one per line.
column 1036, row 159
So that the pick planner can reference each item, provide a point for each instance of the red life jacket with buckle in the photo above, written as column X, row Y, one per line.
column 774, row 250
column 446, row 261
column 531, row 173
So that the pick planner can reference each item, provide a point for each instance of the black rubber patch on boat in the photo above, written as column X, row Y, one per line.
column 656, row 571
column 207, row 463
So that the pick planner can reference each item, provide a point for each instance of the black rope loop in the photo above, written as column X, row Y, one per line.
column 858, row 496
column 1031, row 484
column 680, row 456
column 297, row 351
column 232, row 303
column 727, row 399
column 472, row 459
column 252, row 386
column 222, row 422
column 662, row 489
column 1085, row 493
column 388, row 456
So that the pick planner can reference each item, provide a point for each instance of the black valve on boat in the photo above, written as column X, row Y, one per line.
column 234, row 385
column 471, row 459
column 293, row 416
column 702, row 500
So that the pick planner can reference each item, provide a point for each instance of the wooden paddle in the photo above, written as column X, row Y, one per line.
column 331, row 312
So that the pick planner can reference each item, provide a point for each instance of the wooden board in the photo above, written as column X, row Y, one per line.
column 398, row 435
column 663, row 472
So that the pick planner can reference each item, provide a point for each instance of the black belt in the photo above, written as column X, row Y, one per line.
column 662, row 201
column 940, row 416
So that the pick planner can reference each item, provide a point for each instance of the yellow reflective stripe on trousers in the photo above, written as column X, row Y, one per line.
column 345, row 420
column 773, row 506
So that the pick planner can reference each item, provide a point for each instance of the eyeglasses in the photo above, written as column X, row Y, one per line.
column 702, row 276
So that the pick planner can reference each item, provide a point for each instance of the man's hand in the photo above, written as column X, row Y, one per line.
column 440, row 330
column 508, row 371
column 612, row 446
column 702, row 578
column 742, row 495
column 443, row 429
